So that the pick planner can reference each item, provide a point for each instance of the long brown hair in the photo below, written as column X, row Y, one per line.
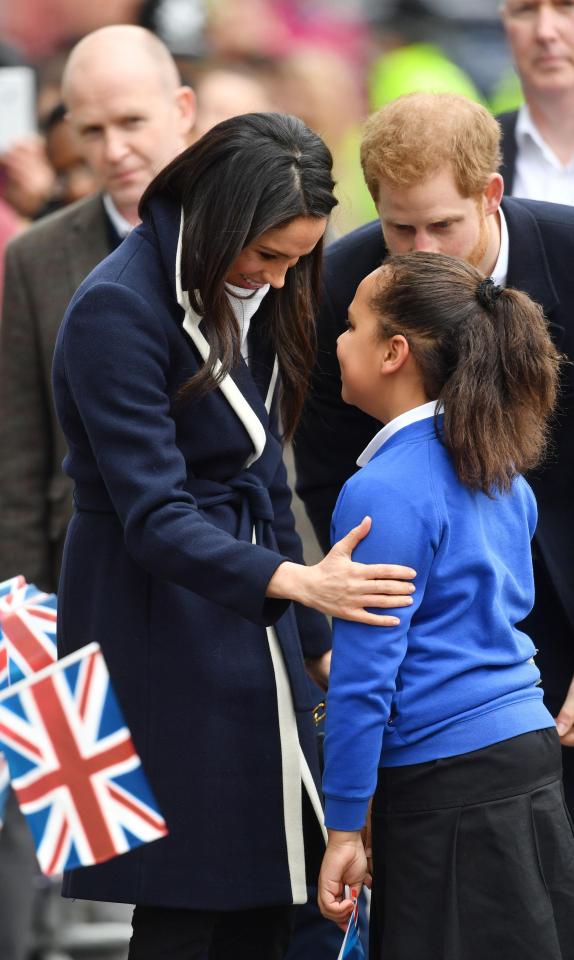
column 245, row 176
column 485, row 352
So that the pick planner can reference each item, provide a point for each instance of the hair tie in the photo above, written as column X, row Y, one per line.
column 488, row 292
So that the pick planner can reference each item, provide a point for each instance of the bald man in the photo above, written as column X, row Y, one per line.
column 131, row 116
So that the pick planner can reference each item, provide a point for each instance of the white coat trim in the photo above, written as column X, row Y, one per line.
column 294, row 771
column 291, row 773
column 228, row 387
column 272, row 385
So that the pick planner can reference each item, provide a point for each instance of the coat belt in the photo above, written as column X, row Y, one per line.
column 246, row 492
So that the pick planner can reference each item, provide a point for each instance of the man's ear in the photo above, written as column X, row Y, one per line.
column 186, row 104
column 493, row 193
column 395, row 354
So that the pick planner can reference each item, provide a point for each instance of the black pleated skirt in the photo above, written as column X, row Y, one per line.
column 473, row 857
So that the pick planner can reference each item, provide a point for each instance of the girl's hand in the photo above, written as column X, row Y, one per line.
column 342, row 588
column 565, row 719
column 344, row 863
column 318, row 669
column 366, row 837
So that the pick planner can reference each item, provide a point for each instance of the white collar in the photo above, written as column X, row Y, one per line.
column 527, row 132
column 250, row 301
column 422, row 412
column 119, row 222
column 500, row 272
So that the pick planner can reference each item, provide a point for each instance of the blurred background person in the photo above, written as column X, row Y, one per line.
column 73, row 177
column 308, row 83
column 227, row 90
column 27, row 177
column 46, row 172
column 538, row 138
column 40, row 27
column 10, row 225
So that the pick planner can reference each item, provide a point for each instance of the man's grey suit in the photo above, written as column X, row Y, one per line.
column 43, row 267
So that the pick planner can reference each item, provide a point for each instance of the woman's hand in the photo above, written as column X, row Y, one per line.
column 344, row 863
column 342, row 588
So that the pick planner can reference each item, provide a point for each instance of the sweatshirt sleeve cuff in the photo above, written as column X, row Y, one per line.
column 345, row 814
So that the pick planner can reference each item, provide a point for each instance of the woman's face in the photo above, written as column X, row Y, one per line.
column 268, row 258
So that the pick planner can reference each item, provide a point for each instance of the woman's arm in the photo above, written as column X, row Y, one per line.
column 113, row 357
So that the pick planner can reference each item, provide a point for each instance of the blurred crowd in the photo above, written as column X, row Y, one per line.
column 327, row 61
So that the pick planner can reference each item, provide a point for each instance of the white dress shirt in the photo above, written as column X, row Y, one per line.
column 119, row 223
column 500, row 271
column 539, row 174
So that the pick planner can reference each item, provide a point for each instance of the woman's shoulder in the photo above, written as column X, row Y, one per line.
column 129, row 282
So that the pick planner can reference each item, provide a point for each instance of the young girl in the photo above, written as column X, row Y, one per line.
column 441, row 719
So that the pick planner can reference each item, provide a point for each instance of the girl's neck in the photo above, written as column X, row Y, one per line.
column 401, row 403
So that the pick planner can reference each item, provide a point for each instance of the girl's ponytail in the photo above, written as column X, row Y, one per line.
column 485, row 352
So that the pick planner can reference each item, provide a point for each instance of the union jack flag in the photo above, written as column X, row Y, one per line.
column 352, row 948
column 4, row 785
column 27, row 630
column 73, row 766
column 3, row 663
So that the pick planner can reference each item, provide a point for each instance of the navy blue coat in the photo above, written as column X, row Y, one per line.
column 332, row 434
column 159, row 568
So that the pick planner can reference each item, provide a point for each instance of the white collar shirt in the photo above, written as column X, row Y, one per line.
column 500, row 272
column 422, row 412
column 119, row 223
column 539, row 174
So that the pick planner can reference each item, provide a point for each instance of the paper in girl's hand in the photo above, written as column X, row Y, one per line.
column 352, row 948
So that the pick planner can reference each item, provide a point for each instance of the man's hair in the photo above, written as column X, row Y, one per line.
column 417, row 135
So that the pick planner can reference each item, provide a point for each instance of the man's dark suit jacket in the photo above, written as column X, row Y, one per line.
column 332, row 434
column 509, row 148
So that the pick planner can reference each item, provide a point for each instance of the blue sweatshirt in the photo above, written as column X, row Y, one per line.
column 456, row 674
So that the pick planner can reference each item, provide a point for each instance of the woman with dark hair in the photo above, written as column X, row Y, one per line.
column 171, row 365
column 441, row 720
